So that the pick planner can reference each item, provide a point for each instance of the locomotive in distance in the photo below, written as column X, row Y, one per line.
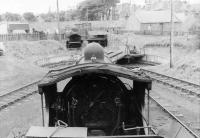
column 76, row 40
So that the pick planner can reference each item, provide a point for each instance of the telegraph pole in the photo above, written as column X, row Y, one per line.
column 58, row 18
column 171, row 35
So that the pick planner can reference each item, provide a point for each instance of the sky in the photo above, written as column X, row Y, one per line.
column 43, row 6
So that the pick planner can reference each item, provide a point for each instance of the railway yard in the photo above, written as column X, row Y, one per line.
column 174, row 98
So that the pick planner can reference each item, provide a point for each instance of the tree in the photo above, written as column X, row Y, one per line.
column 12, row 16
column 74, row 14
column 29, row 16
column 49, row 17
column 63, row 16
column 95, row 9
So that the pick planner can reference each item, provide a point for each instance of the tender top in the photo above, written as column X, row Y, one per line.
column 55, row 76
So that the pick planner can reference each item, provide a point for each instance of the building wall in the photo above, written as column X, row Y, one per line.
column 150, row 27
column 3, row 28
column 159, row 27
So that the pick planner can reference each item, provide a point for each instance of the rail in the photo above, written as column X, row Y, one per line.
column 182, row 125
column 19, row 94
column 16, row 95
column 182, row 85
column 179, row 84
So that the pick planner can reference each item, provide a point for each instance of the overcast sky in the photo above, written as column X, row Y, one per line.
column 43, row 6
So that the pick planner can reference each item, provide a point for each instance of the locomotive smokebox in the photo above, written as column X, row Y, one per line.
column 94, row 52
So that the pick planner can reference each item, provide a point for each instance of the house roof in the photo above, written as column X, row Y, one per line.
column 155, row 17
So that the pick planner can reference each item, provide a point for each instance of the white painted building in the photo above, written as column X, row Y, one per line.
column 152, row 21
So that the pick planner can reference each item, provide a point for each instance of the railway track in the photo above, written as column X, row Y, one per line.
column 21, row 93
column 14, row 96
column 167, row 119
column 184, row 86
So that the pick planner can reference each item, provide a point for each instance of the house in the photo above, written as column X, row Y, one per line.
column 152, row 22
column 14, row 27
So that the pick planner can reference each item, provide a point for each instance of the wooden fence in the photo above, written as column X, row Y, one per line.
column 156, row 33
column 32, row 37
column 44, row 36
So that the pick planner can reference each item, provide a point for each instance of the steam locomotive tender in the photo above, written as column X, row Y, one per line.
column 106, row 99
column 74, row 41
